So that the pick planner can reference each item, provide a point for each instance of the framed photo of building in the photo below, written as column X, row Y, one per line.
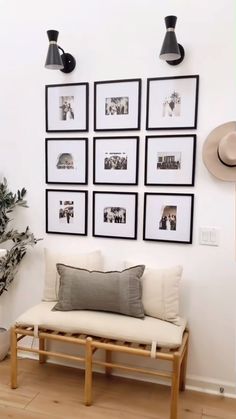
column 172, row 102
column 115, row 160
column 66, row 107
column 66, row 211
column 170, row 160
column 115, row 214
column 117, row 105
column 168, row 217
column 66, row 160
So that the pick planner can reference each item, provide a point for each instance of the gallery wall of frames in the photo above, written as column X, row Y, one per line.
column 169, row 160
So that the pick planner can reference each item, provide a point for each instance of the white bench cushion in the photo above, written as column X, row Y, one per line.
column 107, row 325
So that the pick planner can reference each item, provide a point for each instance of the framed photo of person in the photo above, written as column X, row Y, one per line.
column 115, row 214
column 66, row 160
column 115, row 160
column 172, row 102
column 66, row 107
column 168, row 217
column 117, row 105
column 170, row 160
column 66, row 211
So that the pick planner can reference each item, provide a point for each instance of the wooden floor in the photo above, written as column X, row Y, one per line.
column 54, row 392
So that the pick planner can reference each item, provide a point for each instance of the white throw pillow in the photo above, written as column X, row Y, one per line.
column 91, row 261
column 160, row 294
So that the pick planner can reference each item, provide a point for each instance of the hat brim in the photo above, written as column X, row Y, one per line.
column 210, row 154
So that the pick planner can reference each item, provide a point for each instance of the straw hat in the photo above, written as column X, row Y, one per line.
column 219, row 152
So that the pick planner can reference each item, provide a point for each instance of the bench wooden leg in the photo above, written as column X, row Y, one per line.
column 13, row 358
column 183, row 369
column 108, row 359
column 42, row 346
column 88, row 372
column 175, row 387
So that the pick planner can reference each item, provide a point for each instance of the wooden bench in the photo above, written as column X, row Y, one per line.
column 177, row 357
column 160, row 334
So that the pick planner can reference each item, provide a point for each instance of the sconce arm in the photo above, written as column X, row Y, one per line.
column 61, row 49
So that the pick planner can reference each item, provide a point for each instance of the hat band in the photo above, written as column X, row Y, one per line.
column 225, row 164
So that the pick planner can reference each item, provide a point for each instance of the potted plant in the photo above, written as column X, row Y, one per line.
column 16, row 243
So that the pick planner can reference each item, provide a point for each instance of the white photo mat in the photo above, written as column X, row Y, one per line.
column 172, row 102
column 58, row 204
column 170, row 160
column 127, row 93
column 174, row 206
column 67, row 107
column 66, row 160
column 116, row 160
column 103, row 202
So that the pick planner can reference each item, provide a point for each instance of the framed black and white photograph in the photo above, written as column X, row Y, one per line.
column 172, row 102
column 67, row 107
column 170, row 160
column 117, row 105
column 168, row 217
column 66, row 160
column 115, row 214
column 115, row 160
column 66, row 211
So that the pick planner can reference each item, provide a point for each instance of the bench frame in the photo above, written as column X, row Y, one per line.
column 177, row 358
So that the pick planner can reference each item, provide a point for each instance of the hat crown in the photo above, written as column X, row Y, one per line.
column 219, row 152
column 227, row 149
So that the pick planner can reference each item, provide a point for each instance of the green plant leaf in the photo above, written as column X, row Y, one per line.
column 20, row 240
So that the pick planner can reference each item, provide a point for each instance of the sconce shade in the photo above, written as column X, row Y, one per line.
column 171, row 51
column 170, row 48
column 56, row 61
column 53, row 60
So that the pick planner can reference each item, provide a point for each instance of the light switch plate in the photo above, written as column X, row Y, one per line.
column 209, row 236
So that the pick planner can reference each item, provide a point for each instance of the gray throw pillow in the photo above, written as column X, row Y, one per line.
column 118, row 292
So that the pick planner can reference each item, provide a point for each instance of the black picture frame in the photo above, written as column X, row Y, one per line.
column 168, row 217
column 172, row 102
column 117, row 105
column 170, row 160
column 115, row 214
column 66, row 107
column 62, row 206
column 115, row 160
column 66, row 161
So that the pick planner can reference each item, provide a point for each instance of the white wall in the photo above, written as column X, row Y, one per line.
column 115, row 40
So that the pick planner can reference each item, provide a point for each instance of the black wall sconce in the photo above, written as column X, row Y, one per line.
column 171, row 51
column 56, row 61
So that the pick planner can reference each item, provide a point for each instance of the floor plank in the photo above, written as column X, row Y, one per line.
column 7, row 398
column 13, row 413
column 219, row 413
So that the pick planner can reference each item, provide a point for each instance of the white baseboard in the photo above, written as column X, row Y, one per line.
column 211, row 386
